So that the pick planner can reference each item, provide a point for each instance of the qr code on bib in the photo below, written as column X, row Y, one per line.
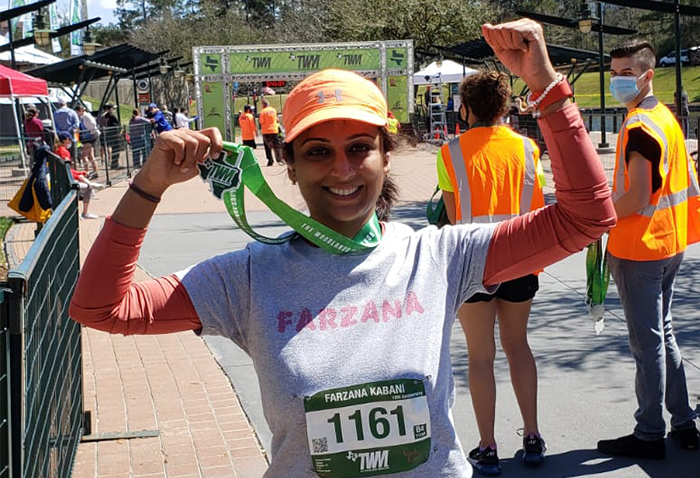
column 320, row 444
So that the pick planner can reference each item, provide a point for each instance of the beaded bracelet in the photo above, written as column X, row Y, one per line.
column 143, row 194
column 533, row 101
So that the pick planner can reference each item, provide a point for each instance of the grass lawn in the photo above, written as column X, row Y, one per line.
column 124, row 110
column 587, row 87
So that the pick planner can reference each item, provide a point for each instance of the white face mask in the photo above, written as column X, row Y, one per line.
column 624, row 88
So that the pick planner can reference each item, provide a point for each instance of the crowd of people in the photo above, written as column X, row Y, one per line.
column 100, row 134
column 79, row 138
column 502, row 234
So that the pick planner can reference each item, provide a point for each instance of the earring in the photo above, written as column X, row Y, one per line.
column 294, row 183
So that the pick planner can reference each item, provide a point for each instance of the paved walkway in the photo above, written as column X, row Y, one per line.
column 173, row 383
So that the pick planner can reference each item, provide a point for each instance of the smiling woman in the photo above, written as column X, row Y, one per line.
column 369, row 326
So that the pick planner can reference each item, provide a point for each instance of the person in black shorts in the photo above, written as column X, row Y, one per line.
column 490, row 174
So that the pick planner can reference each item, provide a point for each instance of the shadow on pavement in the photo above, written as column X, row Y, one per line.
column 575, row 463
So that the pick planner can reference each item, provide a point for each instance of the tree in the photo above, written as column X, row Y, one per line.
column 109, row 35
column 429, row 24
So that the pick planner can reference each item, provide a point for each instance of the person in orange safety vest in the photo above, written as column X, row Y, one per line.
column 270, row 130
column 489, row 174
column 657, row 201
column 248, row 129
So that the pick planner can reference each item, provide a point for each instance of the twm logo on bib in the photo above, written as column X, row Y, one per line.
column 223, row 173
column 370, row 429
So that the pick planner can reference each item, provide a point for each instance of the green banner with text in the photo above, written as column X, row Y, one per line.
column 311, row 60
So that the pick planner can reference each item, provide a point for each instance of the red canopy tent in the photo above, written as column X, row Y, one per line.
column 13, row 83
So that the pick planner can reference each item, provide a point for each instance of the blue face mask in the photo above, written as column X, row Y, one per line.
column 624, row 88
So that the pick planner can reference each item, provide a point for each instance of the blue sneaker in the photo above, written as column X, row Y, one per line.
column 533, row 450
column 485, row 461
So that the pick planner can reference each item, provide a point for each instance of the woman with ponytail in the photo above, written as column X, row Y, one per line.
column 487, row 175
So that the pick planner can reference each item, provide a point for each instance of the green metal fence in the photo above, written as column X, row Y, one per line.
column 5, row 415
column 41, row 348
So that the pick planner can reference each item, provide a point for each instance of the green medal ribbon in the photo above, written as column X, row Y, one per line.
column 237, row 167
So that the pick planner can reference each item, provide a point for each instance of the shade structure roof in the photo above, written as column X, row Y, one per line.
column 14, row 83
column 478, row 51
column 116, row 59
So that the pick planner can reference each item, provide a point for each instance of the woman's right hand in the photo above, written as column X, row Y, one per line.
column 175, row 156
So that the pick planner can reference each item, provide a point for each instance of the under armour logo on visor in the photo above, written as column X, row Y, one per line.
column 322, row 96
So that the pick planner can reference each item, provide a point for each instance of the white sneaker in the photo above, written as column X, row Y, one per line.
column 89, row 216
column 97, row 186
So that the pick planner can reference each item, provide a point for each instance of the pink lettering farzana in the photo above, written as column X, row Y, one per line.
column 328, row 317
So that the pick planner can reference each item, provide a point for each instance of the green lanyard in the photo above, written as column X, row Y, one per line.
column 237, row 166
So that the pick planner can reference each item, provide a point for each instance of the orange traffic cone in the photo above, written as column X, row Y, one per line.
column 457, row 131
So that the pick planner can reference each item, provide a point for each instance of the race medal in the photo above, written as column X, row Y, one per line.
column 237, row 167
column 370, row 429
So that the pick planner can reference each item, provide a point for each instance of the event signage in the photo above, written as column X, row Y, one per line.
column 219, row 70
column 22, row 26
column 53, row 21
column 302, row 61
column 211, row 64
column 76, row 41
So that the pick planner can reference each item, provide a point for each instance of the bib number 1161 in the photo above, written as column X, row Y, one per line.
column 379, row 421
column 369, row 429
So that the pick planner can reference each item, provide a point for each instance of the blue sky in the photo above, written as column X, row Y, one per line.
column 101, row 8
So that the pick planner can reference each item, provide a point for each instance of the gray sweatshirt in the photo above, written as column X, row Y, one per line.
column 351, row 351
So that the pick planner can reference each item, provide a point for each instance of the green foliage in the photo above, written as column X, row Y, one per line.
column 109, row 35
column 427, row 23
column 5, row 223
column 177, row 25
column 164, row 24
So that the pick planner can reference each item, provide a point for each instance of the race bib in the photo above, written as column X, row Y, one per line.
column 369, row 429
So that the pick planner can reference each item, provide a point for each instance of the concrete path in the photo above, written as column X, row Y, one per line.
column 172, row 384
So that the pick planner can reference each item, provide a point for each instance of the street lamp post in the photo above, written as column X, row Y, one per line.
column 13, row 61
column 163, row 66
column 601, row 59
column 42, row 33
column 585, row 25
column 89, row 44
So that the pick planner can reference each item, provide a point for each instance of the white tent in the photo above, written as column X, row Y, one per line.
column 449, row 72
column 27, row 55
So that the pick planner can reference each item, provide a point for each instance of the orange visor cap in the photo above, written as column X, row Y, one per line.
column 332, row 95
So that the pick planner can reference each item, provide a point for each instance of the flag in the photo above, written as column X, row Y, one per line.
column 22, row 25
column 53, row 19
column 76, row 40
